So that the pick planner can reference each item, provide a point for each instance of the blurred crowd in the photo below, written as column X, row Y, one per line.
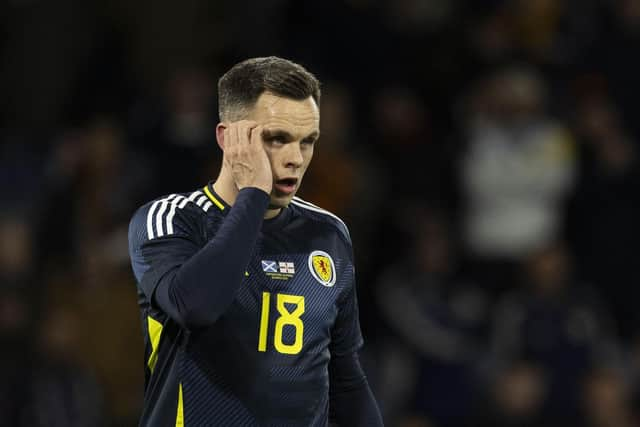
column 484, row 155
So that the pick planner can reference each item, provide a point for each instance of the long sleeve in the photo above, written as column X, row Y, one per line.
column 351, row 401
column 192, row 280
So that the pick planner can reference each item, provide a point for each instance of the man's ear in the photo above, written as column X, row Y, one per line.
column 220, row 128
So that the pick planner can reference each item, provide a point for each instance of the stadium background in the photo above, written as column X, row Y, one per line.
column 484, row 155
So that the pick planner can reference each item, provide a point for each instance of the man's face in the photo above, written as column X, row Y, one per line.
column 291, row 129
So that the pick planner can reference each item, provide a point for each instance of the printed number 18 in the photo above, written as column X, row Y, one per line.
column 291, row 318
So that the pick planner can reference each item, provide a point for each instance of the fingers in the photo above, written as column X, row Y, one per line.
column 246, row 157
column 248, row 127
column 244, row 128
column 256, row 136
column 232, row 138
column 237, row 133
column 226, row 151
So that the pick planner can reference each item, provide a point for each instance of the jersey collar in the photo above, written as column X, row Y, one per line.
column 271, row 224
column 215, row 198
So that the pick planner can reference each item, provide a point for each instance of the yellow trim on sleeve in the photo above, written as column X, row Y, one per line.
column 155, row 331
column 213, row 199
column 180, row 411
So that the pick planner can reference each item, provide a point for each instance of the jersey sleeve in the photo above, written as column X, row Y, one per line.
column 190, row 278
column 155, row 250
column 351, row 401
column 346, row 336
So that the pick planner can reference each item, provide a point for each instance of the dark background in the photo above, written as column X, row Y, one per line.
column 483, row 153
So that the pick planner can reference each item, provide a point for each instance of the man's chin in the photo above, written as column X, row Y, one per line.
column 280, row 202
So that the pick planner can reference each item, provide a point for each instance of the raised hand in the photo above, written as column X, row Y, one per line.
column 245, row 157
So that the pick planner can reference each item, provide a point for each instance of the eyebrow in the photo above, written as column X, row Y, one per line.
column 287, row 136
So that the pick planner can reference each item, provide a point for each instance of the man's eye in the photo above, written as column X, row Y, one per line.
column 276, row 140
column 308, row 141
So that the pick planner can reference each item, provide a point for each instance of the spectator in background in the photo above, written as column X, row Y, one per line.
column 21, row 166
column 81, row 332
column 94, row 179
column 611, row 56
column 554, row 34
column 176, row 133
column 418, row 163
column 42, row 385
column 491, row 38
column 16, row 251
column 633, row 375
column 606, row 400
column 93, row 183
column 556, row 323
column 340, row 177
column 536, row 25
column 18, row 290
column 59, row 390
column 16, row 323
column 516, row 172
column 603, row 216
column 515, row 398
column 17, row 313
column 437, row 322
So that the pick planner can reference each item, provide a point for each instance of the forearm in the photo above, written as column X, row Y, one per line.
column 351, row 401
column 199, row 291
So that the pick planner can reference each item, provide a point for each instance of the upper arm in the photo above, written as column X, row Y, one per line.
column 346, row 336
column 160, row 241
column 351, row 401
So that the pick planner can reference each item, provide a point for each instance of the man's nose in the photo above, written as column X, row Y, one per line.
column 293, row 155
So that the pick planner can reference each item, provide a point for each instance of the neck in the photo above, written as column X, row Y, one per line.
column 228, row 191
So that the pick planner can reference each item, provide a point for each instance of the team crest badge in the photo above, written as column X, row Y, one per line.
column 322, row 268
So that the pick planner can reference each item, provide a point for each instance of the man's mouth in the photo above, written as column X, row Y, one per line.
column 286, row 185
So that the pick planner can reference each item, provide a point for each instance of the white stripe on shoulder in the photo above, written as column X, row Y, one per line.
column 310, row 206
column 191, row 198
column 152, row 215
column 195, row 194
column 163, row 207
column 198, row 198
column 172, row 212
column 163, row 211
column 150, row 219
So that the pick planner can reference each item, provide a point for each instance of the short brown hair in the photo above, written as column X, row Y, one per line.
column 241, row 86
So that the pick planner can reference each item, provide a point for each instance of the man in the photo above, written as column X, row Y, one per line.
column 247, row 293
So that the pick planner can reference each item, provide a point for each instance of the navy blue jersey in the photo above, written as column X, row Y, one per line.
column 264, row 361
